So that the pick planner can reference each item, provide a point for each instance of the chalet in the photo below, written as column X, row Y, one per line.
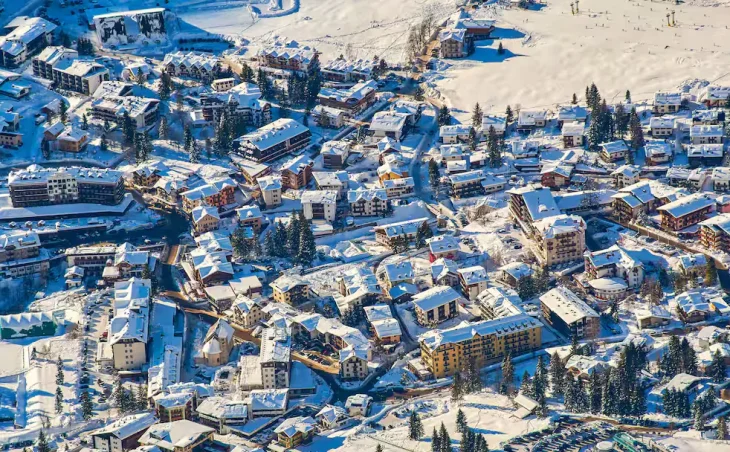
column 692, row 265
column 716, row 96
column 389, row 124
column 270, row 187
column 123, row 434
column 473, row 281
column 556, row 176
column 444, row 272
column 328, row 117
column 291, row 290
column 343, row 70
column 705, row 154
column 250, row 216
column 398, row 188
column 23, row 37
column 498, row 123
column 572, row 113
column 513, row 273
column 396, row 273
column 686, row 211
column 442, row 246
column 625, row 175
column 455, row 43
column 661, row 127
column 458, row 133
column 337, row 181
column 247, row 312
column 708, row 117
column 368, row 202
column 573, row 134
column 387, row 147
column 205, row 219
column 707, row 134
column 295, row 431
column 613, row 151
column 283, row 60
column 297, row 172
column 385, row 234
column 199, row 65
column 352, row 100
column 530, row 120
column 652, row 317
column 667, row 103
column 218, row 193
column 657, row 152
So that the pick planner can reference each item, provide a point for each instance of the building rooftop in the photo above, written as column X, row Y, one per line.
column 275, row 133
column 688, row 204
column 435, row 297
column 275, row 345
column 564, row 303
column 466, row 331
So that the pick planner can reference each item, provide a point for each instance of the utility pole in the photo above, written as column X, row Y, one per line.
column 577, row 9
column 674, row 24
column 572, row 9
column 668, row 23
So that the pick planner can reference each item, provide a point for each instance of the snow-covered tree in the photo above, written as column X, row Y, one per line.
column 415, row 427
column 476, row 116
column 59, row 400
column 461, row 425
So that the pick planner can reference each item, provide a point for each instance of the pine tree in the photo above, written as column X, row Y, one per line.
column 508, row 373
column 721, row 428
column 415, row 427
column 621, row 119
column 509, row 116
column 59, row 400
column 118, row 393
column 461, row 425
column 165, row 88
column 418, row 94
column 710, row 273
column 59, row 372
column 435, row 441
column 247, row 73
column 84, row 122
column 628, row 97
column 433, row 174
column 698, row 416
column 481, row 444
column 493, row 149
column 42, row 444
column 635, row 131
column 575, row 99
column 128, row 129
column 557, row 375
column 194, row 152
column 500, row 49
column 378, row 448
column 163, row 130
column 689, row 358
column 595, row 393
column 46, row 149
column 718, row 369
column 87, row 406
column 541, row 377
column 457, row 388
column 526, row 386
column 477, row 116
column 307, row 247
column 444, row 116
column 64, row 111
column 444, row 439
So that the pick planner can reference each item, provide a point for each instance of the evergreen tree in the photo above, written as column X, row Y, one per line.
column 473, row 376
column 595, row 391
column 461, row 425
column 239, row 243
column 307, row 247
column 194, row 152
column 165, row 88
column 433, row 174
column 444, row 116
column 59, row 372
column 721, row 428
column 698, row 416
column 635, row 131
column 526, row 386
column 710, row 273
column 64, row 111
column 163, row 130
column 628, row 97
column 378, row 448
column 718, row 369
column 481, row 444
column 609, row 397
column 500, row 49
column 557, row 375
column 689, row 358
column 509, row 116
column 415, row 427
column 293, row 235
column 247, row 73
column 444, row 439
column 269, row 244
column 59, row 400
column 541, row 379
column 508, row 373
column 84, row 122
column 476, row 116
column 128, row 129
column 621, row 119
column 87, row 406
column 118, row 393
column 103, row 143
column 457, row 388
column 671, row 362
column 42, row 444
column 188, row 138
column 575, row 99
column 46, row 149
column 435, row 441
column 493, row 149
column 473, row 139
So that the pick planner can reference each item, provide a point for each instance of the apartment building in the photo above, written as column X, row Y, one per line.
column 21, row 254
column 351, row 100
column 570, row 315
column 123, row 434
column 23, row 37
column 344, row 70
column 559, row 239
column 467, row 184
column 250, row 216
column 715, row 232
column 335, row 153
column 129, row 325
column 275, row 358
column 247, row 312
column 37, row 186
column 273, row 140
column 284, row 60
column 387, row 233
column 337, row 181
column 614, row 262
column 657, row 152
column 270, row 187
column 455, row 43
column 473, row 281
column 436, row 305
column 399, row 188
column 143, row 111
column 242, row 101
column 353, row 364
column 530, row 204
column 496, row 303
column 199, row 65
column 296, row 173
column 573, row 134
column 366, row 202
column 667, row 103
column 710, row 134
column 218, row 193
column 291, row 290
column 613, row 151
column 625, row 175
column 205, row 219
column 445, row 352
column 686, row 211
column 68, row 72
column 319, row 205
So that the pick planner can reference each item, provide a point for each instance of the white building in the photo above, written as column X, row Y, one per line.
column 389, row 124
column 129, row 325
column 319, row 205
column 270, row 187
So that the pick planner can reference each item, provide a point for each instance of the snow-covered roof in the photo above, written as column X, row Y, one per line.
column 662, row 98
column 530, row 117
column 288, row 282
column 341, row 65
column 573, row 129
column 551, row 227
column 657, row 148
column 36, row 174
column 268, row 399
column 706, row 131
column 210, row 189
column 572, row 113
column 386, row 328
column 354, row 94
column 222, row 408
column 442, row 267
column 473, row 275
column 564, row 303
column 319, row 197
column 273, row 134
column 289, row 51
column 131, row 311
column 173, row 400
column 388, row 121
column 366, row 195
column 199, row 60
column 466, row 331
column 466, row 177
column 540, row 202
column 442, row 244
column 399, row 271
column 627, row 171
column 407, row 227
column 503, row 302
column 517, row 270
column 652, row 312
column 708, row 150
column 452, row 34
column 174, row 435
column 133, row 105
column 268, row 183
column 24, row 30
column 662, row 122
column 208, row 263
column 435, row 297
column 214, row 241
column 398, row 183
column 688, row 204
column 608, row 284
column 614, row 255
column 275, row 346
column 615, row 147
column 24, row 320
column 689, row 261
column 127, row 426
column 682, row 382
column 331, row 413
column 294, row 425
column 341, row 148
column 378, row 312
column 499, row 123
column 201, row 212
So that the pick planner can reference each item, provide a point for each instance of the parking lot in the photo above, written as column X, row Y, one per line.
column 99, row 381
column 571, row 435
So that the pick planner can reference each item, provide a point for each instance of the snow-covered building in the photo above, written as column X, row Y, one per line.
column 368, row 202
column 128, row 27
column 273, row 140
column 178, row 436
column 711, row 134
column 398, row 188
column 335, row 153
column 205, row 219
column 389, row 124
column 436, row 305
column 705, row 154
column 614, row 150
column 455, row 43
column 23, row 37
column 217, row 345
column 387, row 233
column 37, row 186
column 267, row 402
column 242, row 101
column 295, row 431
column 473, row 281
column 217, row 193
column 513, row 273
column 199, row 65
column 290, row 289
column 351, row 100
column 343, row 70
column 686, row 211
column 123, row 434
column 270, row 187
column 667, row 102
column 27, row 324
column 570, row 315
column 573, row 134
column 661, row 127
column 337, row 181
column 222, row 413
column 625, row 175
column 529, row 120
column 614, row 262
column 559, row 239
column 657, row 151
column 319, row 205
column 129, row 325
column 358, row 405
column 21, row 254
column 68, row 72
column 142, row 111
column 496, row 303
column 284, row 59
